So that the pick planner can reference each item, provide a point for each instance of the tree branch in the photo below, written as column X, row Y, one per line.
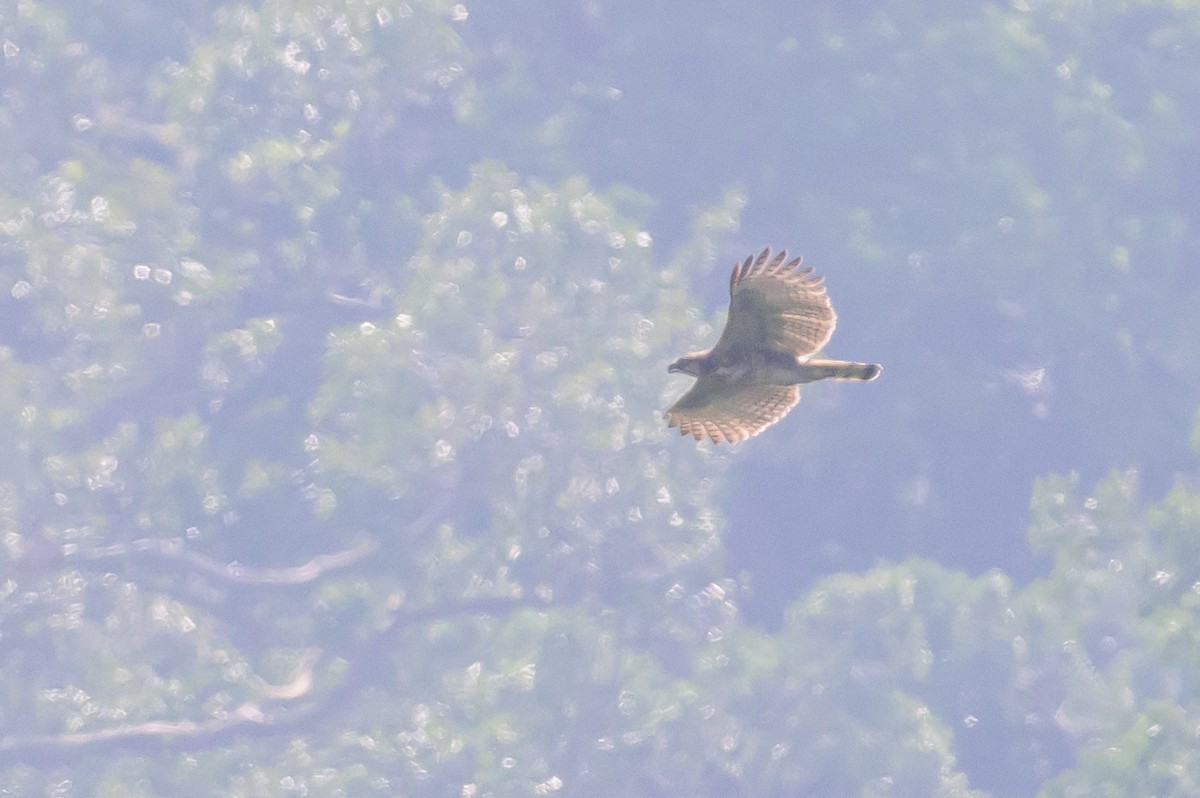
column 175, row 550
column 272, row 715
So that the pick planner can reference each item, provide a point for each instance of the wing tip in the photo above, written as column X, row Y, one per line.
column 777, row 266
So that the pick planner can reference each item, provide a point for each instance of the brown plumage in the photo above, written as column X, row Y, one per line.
column 779, row 317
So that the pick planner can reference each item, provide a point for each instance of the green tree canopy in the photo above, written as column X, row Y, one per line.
column 332, row 357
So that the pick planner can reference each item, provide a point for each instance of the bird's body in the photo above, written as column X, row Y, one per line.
column 776, row 368
column 778, row 319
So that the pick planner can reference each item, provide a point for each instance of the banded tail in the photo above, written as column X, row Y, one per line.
column 839, row 370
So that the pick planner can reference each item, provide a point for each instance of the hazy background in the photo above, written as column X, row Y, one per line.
column 334, row 342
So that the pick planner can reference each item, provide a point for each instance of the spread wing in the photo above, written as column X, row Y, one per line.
column 729, row 411
column 774, row 305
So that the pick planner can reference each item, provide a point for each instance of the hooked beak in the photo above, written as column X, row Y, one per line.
column 674, row 367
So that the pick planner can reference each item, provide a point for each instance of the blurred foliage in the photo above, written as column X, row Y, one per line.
column 1001, row 195
column 332, row 343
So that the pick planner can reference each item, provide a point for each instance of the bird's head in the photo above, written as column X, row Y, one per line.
column 689, row 364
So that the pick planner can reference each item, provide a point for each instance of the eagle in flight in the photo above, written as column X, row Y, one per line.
column 779, row 317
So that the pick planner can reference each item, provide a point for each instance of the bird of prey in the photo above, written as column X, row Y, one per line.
column 779, row 317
